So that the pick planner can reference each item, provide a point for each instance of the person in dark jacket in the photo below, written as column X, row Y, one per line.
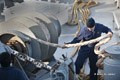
column 92, row 31
column 7, row 72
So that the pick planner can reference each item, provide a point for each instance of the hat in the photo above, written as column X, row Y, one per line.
column 90, row 23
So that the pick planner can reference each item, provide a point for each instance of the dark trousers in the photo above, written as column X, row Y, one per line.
column 82, row 56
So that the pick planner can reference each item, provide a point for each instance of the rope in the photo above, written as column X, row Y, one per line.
column 103, row 51
column 96, row 49
column 87, row 42
column 76, row 44
column 82, row 7
column 104, row 55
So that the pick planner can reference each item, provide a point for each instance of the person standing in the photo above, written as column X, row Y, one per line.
column 7, row 72
column 91, row 31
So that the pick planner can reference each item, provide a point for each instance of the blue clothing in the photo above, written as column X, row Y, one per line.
column 82, row 56
column 11, row 73
column 86, row 35
column 87, row 51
